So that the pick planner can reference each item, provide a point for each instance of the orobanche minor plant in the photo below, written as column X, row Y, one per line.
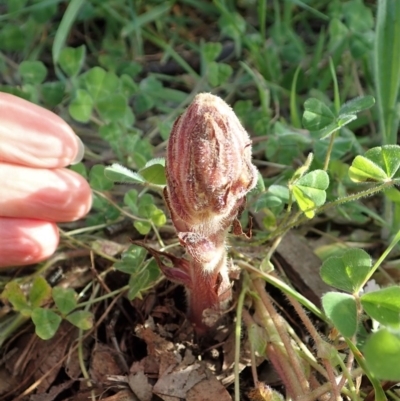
column 208, row 174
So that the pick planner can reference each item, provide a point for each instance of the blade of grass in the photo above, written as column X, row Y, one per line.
column 387, row 67
column 29, row 9
column 170, row 50
column 63, row 29
column 312, row 10
column 262, row 16
column 294, row 110
column 387, row 83
column 145, row 18
column 317, row 57
column 336, row 95
column 337, row 108
column 263, row 90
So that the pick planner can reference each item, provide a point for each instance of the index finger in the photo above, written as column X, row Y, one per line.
column 33, row 136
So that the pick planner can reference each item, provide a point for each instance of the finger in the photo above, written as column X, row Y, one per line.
column 55, row 195
column 33, row 136
column 24, row 241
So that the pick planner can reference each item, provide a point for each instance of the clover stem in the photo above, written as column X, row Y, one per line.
column 329, row 151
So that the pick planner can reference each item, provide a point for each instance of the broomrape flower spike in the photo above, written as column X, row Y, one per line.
column 209, row 172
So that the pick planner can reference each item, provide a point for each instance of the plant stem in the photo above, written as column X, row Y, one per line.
column 238, row 332
column 395, row 240
column 286, row 289
column 329, row 151
column 379, row 393
column 301, row 384
column 337, row 202
column 320, row 343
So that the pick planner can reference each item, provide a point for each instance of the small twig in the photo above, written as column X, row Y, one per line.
column 111, row 330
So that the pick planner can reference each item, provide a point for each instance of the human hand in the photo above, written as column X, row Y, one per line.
column 36, row 191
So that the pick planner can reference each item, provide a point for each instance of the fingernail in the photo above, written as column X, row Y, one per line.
column 81, row 152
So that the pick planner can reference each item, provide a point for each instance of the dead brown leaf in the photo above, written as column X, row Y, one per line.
column 140, row 385
column 179, row 381
column 104, row 363
column 209, row 389
column 53, row 393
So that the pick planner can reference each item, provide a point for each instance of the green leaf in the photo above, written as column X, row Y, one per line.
column 341, row 309
column 267, row 200
column 98, row 180
column 340, row 148
column 363, row 169
column 100, row 84
column 328, row 130
column 309, row 191
column 128, row 86
column 304, row 202
column 356, row 105
column 382, row 355
column 316, row 115
column 142, row 226
column 80, row 168
column 378, row 164
column 345, row 119
column 81, row 319
column 280, row 191
column 210, row 51
column 143, row 103
column 65, row 299
column 80, row 109
column 71, row 60
column 218, row 73
column 146, row 202
column 44, row 12
column 32, row 72
column 14, row 294
column 131, row 200
column 15, row 6
column 347, row 272
column 12, row 38
column 138, row 283
column 132, row 260
column 154, row 172
column 352, row 11
column 112, row 107
column 383, row 306
column 40, row 292
column 258, row 338
column 158, row 217
column 118, row 173
column 46, row 322
column 154, row 272
column 53, row 93
column 393, row 194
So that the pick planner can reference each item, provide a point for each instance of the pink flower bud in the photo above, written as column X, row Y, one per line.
column 208, row 166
